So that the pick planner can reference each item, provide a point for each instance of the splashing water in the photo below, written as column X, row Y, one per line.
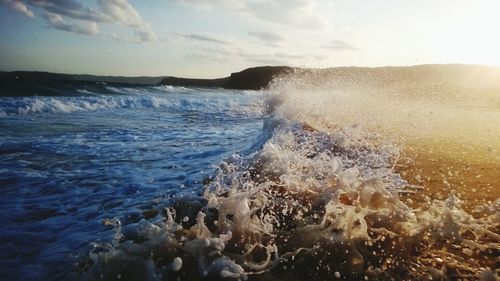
column 320, row 199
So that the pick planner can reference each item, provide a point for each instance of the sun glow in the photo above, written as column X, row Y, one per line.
column 470, row 34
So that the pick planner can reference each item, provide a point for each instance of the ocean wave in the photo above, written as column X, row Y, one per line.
column 318, row 198
column 310, row 204
column 129, row 98
column 32, row 105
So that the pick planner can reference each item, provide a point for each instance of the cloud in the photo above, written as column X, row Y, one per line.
column 56, row 13
column 145, row 34
column 341, row 45
column 234, row 54
column 201, row 37
column 17, row 6
column 120, row 11
column 299, row 13
column 209, row 56
column 57, row 22
column 277, row 58
column 205, row 5
column 68, row 8
column 267, row 36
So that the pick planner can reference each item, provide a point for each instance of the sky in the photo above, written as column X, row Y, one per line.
column 212, row 38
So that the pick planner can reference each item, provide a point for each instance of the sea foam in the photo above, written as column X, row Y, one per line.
column 125, row 98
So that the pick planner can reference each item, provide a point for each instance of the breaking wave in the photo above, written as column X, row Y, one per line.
column 166, row 97
column 319, row 199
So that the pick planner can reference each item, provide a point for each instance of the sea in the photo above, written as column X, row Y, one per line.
column 117, row 182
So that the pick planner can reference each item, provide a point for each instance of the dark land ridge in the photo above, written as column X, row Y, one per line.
column 20, row 83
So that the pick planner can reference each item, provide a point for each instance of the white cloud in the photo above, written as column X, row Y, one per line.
column 298, row 13
column 57, row 22
column 341, row 45
column 120, row 11
column 145, row 33
column 56, row 13
column 267, row 36
column 207, row 5
column 212, row 55
column 18, row 6
column 276, row 58
column 67, row 8
column 202, row 37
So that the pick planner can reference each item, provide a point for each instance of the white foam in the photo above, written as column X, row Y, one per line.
column 132, row 99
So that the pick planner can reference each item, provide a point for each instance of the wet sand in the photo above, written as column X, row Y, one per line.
column 472, row 172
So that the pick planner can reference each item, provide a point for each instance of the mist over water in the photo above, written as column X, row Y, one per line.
column 315, row 179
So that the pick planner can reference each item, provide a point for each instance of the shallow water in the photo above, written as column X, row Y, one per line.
column 68, row 162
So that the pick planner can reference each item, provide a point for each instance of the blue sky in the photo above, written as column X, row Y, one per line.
column 211, row 38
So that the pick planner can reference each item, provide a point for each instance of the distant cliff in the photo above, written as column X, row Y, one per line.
column 255, row 78
column 27, row 83
column 48, row 76
column 192, row 82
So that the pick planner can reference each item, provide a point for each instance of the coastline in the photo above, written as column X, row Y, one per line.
column 437, row 77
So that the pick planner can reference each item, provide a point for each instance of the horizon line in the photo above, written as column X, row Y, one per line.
column 257, row 66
